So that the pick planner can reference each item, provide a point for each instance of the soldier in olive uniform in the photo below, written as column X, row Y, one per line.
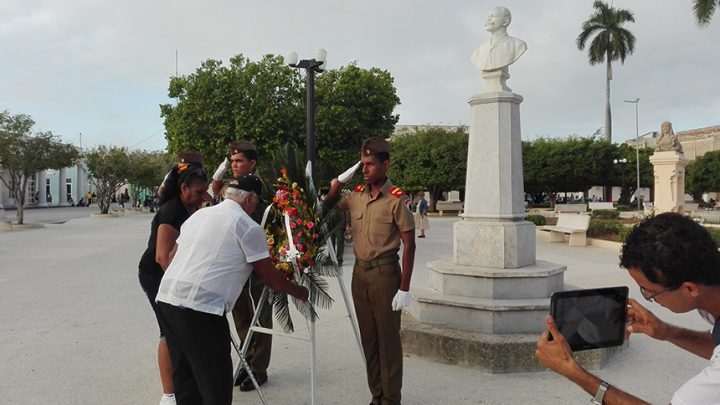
column 380, row 285
column 243, row 159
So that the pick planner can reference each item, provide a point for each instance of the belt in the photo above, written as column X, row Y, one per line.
column 394, row 258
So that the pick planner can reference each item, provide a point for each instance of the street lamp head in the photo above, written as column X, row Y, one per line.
column 291, row 59
column 633, row 101
column 321, row 56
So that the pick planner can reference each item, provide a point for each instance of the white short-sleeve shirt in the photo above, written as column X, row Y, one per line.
column 212, row 263
column 704, row 388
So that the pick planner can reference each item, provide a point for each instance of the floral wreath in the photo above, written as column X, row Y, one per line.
column 289, row 199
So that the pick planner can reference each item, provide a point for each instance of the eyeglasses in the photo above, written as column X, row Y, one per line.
column 650, row 296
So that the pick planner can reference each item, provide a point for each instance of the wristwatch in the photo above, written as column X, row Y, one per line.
column 600, row 394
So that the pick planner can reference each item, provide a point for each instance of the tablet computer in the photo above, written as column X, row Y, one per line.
column 591, row 319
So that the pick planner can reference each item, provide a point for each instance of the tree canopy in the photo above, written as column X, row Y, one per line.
column 610, row 42
column 433, row 159
column 703, row 175
column 264, row 102
column 24, row 153
column 109, row 169
column 148, row 169
column 552, row 165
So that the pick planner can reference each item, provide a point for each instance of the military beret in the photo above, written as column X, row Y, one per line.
column 190, row 157
column 242, row 147
column 373, row 146
column 248, row 182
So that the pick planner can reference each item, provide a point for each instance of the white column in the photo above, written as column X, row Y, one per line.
column 42, row 196
column 493, row 232
column 669, row 170
column 62, row 192
column 80, row 186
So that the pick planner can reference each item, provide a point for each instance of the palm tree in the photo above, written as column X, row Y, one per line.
column 611, row 42
column 704, row 10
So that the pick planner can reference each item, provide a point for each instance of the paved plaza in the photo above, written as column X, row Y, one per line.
column 77, row 328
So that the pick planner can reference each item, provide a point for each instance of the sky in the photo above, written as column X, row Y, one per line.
column 101, row 69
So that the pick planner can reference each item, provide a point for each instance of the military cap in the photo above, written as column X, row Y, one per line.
column 373, row 146
column 242, row 147
column 248, row 182
column 190, row 157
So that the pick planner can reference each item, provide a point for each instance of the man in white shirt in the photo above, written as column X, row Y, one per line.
column 676, row 263
column 216, row 251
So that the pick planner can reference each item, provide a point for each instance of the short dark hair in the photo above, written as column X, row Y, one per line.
column 382, row 156
column 671, row 249
column 250, row 154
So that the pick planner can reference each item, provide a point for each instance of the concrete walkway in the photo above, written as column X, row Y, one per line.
column 77, row 329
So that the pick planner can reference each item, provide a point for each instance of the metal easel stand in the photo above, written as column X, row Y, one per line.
column 255, row 327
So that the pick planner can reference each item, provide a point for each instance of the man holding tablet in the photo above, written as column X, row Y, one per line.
column 676, row 263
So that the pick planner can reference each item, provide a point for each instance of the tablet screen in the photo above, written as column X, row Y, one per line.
column 591, row 319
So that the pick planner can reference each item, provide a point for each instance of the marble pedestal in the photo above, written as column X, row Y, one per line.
column 486, row 306
column 669, row 171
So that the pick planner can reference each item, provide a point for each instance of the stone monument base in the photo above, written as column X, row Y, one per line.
column 492, row 353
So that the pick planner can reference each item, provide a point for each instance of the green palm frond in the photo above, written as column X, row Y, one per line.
column 318, row 287
column 282, row 311
column 704, row 10
column 609, row 37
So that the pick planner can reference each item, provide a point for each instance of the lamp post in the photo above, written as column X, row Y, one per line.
column 311, row 66
column 637, row 149
column 622, row 161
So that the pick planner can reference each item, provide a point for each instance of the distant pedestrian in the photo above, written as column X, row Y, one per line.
column 421, row 215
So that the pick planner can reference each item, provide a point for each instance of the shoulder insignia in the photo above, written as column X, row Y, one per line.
column 396, row 192
column 360, row 188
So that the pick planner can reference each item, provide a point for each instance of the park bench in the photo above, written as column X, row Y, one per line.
column 575, row 225
column 649, row 207
column 570, row 208
column 596, row 205
column 442, row 206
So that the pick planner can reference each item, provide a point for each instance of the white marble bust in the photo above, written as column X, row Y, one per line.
column 501, row 50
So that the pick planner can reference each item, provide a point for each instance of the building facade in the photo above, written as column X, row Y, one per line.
column 64, row 187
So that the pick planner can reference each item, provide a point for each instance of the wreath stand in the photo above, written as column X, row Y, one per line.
column 255, row 326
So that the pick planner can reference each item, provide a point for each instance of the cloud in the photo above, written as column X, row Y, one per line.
column 102, row 69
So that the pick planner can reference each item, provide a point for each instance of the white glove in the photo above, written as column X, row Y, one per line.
column 220, row 172
column 401, row 300
column 347, row 174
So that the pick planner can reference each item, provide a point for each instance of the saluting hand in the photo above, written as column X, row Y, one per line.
column 220, row 172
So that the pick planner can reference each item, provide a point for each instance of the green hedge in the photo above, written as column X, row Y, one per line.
column 624, row 232
column 715, row 233
column 538, row 220
column 605, row 214
column 603, row 227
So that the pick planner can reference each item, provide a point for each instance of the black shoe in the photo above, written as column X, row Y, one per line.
column 247, row 385
column 241, row 377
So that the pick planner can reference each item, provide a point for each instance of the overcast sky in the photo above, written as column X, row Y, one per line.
column 102, row 68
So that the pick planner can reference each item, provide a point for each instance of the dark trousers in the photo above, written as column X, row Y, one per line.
column 373, row 290
column 258, row 353
column 199, row 345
